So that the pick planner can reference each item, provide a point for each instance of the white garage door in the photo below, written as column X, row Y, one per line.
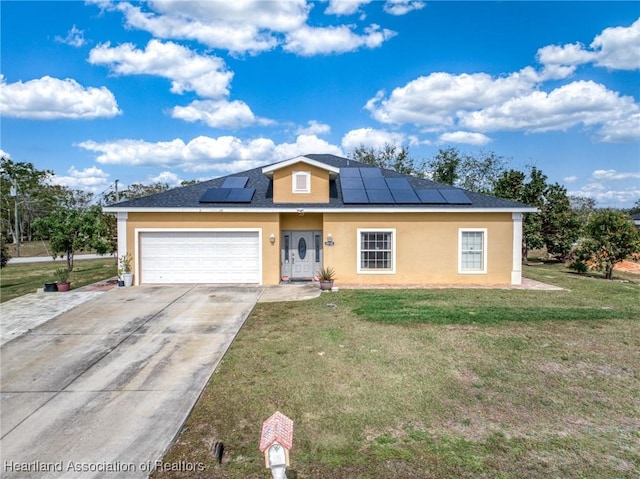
column 200, row 257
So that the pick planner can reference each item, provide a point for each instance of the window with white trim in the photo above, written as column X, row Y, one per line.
column 301, row 181
column 376, row 251
column 472, row 250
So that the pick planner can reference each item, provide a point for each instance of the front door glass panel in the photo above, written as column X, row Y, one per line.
column 302, row 248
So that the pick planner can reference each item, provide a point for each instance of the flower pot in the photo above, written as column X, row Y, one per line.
column 326, row 285
column 62, row 287
column 120, row 283
column 50, row 287
column 128, row 278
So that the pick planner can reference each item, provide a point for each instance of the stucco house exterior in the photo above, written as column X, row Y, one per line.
column 291, row 218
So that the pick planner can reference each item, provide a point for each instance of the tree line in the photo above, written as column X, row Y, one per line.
column 71, row 220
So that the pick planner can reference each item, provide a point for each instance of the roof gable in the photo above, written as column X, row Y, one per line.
column 333, row 171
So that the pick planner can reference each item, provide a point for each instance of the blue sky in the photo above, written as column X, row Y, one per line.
column 175, row 90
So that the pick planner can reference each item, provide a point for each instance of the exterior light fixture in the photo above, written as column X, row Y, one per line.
column 329, row 241
column 272, row 238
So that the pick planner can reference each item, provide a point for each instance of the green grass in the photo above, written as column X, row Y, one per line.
column 36, row 248
column 23, row 278
column 539, row 384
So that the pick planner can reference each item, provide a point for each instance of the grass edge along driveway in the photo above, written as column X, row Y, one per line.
column 495, row 384
column 24, row 278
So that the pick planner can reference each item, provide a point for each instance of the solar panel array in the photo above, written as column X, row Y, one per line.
column 232, row 191
column 368, row 186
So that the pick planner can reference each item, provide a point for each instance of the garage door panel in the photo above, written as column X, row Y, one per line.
column 200, row 257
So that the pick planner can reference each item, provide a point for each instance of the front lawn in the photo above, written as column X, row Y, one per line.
column 432, row 384
column 22, row 278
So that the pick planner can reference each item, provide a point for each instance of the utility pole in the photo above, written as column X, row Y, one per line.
column 16, row 239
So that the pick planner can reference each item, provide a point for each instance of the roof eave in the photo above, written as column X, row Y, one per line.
column 303, row 210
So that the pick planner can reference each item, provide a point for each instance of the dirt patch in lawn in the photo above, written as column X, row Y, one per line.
column 628, row 267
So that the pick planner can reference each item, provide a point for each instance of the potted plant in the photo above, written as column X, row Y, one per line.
column 326, row 277
column 62, row 279
column 125, row 269
column 50, row 287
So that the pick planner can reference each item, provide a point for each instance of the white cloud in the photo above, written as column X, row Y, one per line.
column 611, row 188
column 166, row 177
column 616, row 48
column 570, row 179
column 467, row 137
column 476, row 103
column 240, row 27
column 621, row 130
column 4, row 154
column 435, row 100
column 613, row 175
column 608, row 197
column 224, row 154
column 219, row 114
column 308, row 41
column 75, row 38
column 314, row 128
column 392, row 7
column 402, row 7
column 345, row 7
column 371, row 138
column 563, row 59
column 89, row 179
column 480, row 103
column 305, row 144
column 582, row 102
column 49, row 98
column 250, row 26
column 205, row 75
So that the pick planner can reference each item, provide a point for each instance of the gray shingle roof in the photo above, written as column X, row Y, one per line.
column 189, row 196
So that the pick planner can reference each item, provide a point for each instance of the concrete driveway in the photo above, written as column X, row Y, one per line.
column 103, row 389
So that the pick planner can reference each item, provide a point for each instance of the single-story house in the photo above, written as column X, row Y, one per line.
column 289, row 219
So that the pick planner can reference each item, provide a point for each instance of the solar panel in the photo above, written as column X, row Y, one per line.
column 380, row 196
column 405, row 196
column 455, row 197
column 374, row 183
column 351, row 183
column 431, row 197
column 349, row 172
column 354, row 196
column 370, row 172
column 235, row 182
column 240, row 195
column 215, row 195
column 398, row 184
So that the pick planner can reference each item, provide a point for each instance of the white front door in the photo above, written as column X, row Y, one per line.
column 301, row 254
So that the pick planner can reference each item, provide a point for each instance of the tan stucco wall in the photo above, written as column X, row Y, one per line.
column 283, row 186
column 426, row 247
column 296, row 222
column 426, row 243
column 268, row 222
